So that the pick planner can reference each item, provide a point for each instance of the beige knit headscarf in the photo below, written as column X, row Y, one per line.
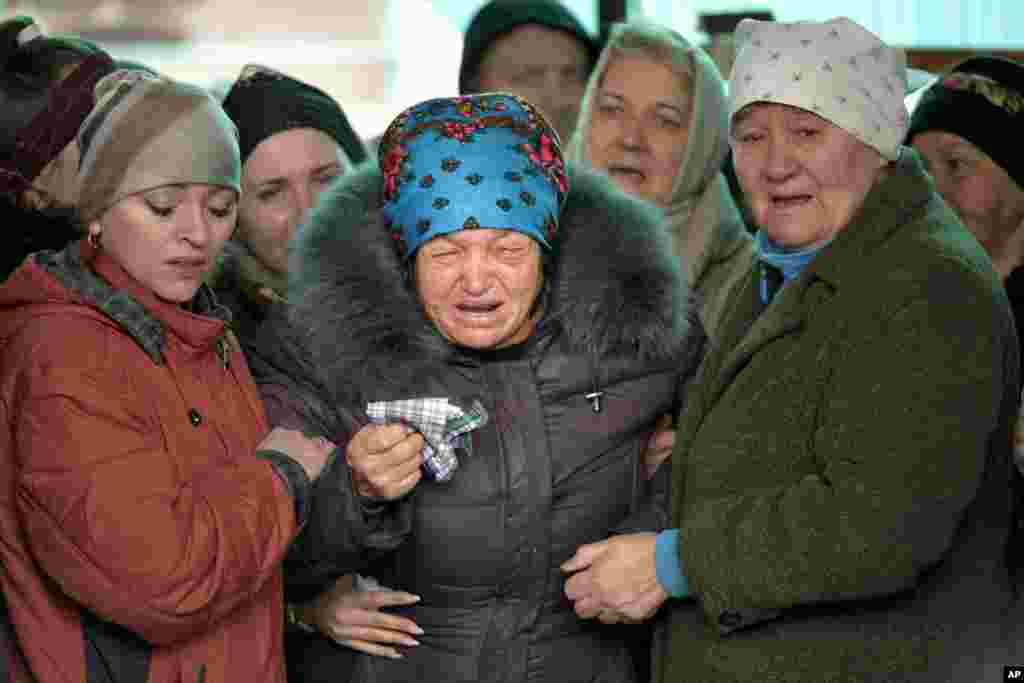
column 146, row 132
column 699, row 193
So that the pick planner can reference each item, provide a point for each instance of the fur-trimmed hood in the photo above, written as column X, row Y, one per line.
column 617, row 289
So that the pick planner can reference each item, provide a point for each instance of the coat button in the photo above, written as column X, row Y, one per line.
column 194, row 417
column 730, row 619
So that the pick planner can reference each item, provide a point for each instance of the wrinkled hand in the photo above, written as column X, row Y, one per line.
column 310, row 452
column 353, row 618
column 385, row 460
column 616, row 579
column 659, row 446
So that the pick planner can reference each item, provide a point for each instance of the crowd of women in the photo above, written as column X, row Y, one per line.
column 501, row 401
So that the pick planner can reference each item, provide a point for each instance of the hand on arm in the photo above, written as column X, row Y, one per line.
column 616, row 579
column 659, row 447
column 310, row 453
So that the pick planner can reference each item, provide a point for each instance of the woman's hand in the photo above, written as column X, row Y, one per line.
column 353, row 618
column 310, row 453
column 615, row 580
column 660, row 446
column 385, row 460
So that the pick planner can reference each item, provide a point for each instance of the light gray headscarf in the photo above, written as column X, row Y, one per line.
column 704, row 221
column 146, row 132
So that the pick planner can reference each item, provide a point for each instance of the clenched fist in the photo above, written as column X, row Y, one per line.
column 385, row 460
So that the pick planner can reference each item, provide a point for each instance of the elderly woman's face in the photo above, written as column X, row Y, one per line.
column 804, row 177
column 989, row 202
column 479, row 286
column 639, row 127
column 281, row 181
column 168, row 238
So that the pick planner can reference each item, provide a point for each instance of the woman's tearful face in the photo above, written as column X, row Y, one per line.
column 479, row 287
column 805, row 178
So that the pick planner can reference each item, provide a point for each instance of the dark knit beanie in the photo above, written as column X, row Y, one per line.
column 263, row 102
column 982, row 100
column 499, row 17
column 46, row 91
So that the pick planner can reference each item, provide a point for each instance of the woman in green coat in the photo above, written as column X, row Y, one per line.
column 841, row 475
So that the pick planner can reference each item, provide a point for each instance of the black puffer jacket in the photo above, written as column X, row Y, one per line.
column 547, row 474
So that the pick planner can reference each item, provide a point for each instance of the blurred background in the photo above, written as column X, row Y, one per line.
column 379, row 56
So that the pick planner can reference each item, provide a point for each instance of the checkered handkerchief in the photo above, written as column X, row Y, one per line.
column 444, row 427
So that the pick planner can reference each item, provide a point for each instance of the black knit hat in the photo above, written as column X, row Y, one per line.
column 498, row 17
column 41, row 103
column 263, row 102
column 982, row 100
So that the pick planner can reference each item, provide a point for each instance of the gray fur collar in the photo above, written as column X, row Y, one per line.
column 617, row 288
column 67, row 266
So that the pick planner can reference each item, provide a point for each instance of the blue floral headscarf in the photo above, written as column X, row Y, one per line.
column 478, row 161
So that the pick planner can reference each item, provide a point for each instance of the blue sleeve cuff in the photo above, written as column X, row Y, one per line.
column 669, row 566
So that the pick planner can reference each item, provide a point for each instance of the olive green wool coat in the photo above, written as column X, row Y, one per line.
column 841, row 473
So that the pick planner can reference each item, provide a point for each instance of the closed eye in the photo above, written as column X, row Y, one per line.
column 748, row 137
column 222, row 212
column 609, row 103
column 268, row 194
column 160, row 210
column 670, row 122
column 531, row 75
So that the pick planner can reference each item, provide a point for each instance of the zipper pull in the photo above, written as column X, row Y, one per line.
column 595, row 400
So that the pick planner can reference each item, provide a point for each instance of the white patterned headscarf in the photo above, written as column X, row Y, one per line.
column 836, row 69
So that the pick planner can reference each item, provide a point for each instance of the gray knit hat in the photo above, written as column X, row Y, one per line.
column 146, row 132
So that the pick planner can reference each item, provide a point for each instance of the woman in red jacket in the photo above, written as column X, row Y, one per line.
column 145, row 505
